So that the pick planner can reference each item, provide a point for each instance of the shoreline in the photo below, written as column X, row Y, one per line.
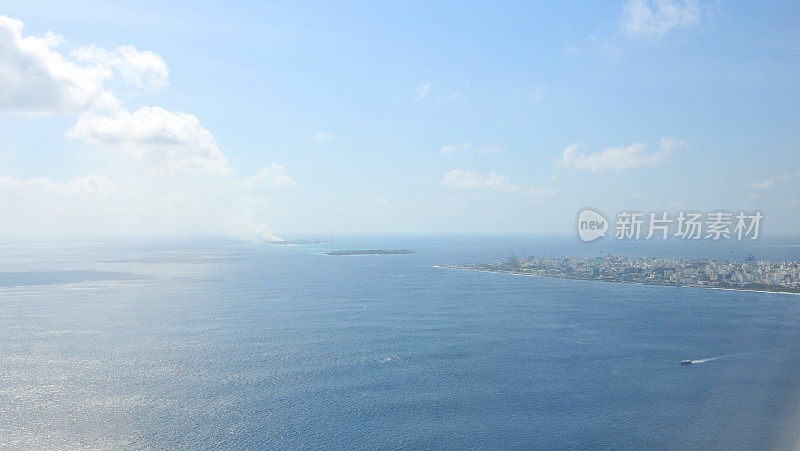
column 616, row 281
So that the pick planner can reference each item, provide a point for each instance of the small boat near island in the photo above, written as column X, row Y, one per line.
column 694, row 362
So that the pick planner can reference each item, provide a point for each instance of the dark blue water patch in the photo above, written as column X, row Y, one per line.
column 55, row 277
column 167, row 259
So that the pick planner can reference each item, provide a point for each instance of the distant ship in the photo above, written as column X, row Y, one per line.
column 687, row 362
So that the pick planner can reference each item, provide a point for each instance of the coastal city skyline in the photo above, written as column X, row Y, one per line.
column 747, row 275
column 230, row 122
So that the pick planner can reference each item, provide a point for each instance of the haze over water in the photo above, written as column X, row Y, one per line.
column 246, row 345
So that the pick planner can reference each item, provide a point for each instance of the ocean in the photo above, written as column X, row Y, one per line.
column 225, row 344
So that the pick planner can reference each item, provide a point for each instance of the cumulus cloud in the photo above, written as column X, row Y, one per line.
column 141, row 69
column 36, row 78
column 245, row 228
column 174, row 142
column 658, row 17
column 421, row 93
column 463, row 179
column 532, row 190
column 619, row 158
column 468, row 147
column 761, row 184
column 272, row 175
column 86, row 185
column 458, row 178
column 771, row 182
column 244, row 222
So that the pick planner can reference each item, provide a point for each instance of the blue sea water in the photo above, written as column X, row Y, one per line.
column 222, row 344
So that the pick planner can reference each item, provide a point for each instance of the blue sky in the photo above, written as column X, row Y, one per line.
column 262, row 119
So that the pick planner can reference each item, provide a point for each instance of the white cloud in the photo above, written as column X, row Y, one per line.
column 38, row 76
column 244, row 222
column 458, row 178
column 462, row 179
column 538, row 92
column 86, row 185
column 141, row 69
column 668, row 144
column 618, row 158
column 421, row 93
column 272, row 175
column 174, row 142
column 532, row 190
column 657, row 17
column 245, row 227
column 761, row 184
column 468, row 147
column 771, row 182
column 317, row 137
column 35, row 78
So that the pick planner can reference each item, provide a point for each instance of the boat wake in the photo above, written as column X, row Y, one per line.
column 705, row 360
column 740, row 354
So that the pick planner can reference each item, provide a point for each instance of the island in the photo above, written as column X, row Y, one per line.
column 748, row 275
column 370, row 252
